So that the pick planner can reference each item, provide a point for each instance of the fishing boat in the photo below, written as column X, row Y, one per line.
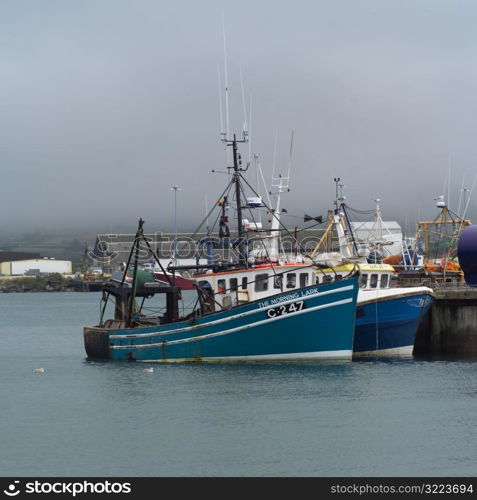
column 310, row 323
column 245, row 310
column 387, row 316
column 431, row 258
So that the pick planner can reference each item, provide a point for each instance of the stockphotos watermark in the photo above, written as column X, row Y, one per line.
column 184, row 247
column 72, row 488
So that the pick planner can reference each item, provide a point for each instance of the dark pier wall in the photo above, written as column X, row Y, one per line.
column 450, row 327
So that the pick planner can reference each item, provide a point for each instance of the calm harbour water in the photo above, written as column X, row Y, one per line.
column 84, row 418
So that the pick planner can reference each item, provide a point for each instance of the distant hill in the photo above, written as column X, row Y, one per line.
column 35, row 245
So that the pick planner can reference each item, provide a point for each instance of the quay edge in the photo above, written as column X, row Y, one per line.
column 450, row 326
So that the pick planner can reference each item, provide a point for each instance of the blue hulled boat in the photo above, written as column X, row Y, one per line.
column 387, row 320
column 312, row 323
column 387, row 317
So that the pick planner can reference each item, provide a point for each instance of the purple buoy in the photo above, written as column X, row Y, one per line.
column 467, row 254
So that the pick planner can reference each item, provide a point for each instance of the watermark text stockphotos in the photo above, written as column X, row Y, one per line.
column 217, row 249
column 71, row 488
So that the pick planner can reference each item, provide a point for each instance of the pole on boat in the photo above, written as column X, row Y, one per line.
column 241, row 233
column 139, row 235
column 237, row 168
column 348, row 244
column 175, row 188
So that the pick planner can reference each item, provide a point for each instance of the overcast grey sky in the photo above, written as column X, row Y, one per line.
column 105, row 104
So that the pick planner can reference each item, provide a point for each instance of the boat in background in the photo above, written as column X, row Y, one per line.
column 387, row 316
column 160, row 273
column 179, row 281
column 431, row 258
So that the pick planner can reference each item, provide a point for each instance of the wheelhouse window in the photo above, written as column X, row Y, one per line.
column 221, row 286
column 261, row 283
column 374, row 281
column 233, row 284
column 363, row 280
column 278, row 282
column 244, row 283
column 291, row 280
column 303, row 280
column 384, row 280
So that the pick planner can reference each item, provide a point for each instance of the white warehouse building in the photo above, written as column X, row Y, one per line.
column 33, row 266
column 367, row 232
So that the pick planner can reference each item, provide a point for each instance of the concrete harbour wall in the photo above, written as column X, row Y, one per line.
column 450, row 327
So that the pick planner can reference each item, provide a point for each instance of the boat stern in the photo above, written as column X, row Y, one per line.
column 96, row 342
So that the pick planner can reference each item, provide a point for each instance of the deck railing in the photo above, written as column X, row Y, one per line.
column 438, row 285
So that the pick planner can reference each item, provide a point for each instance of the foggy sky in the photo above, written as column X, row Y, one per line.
column 105, row 104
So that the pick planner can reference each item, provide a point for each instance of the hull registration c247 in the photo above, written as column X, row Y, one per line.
column 285, row 309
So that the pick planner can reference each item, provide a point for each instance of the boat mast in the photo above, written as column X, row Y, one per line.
column 275, row 227
column 237, row 159
column 343, row 227
column 137, row 238
column 175, row 188
column 379, row 240
column 237, row 168
column 281, row 184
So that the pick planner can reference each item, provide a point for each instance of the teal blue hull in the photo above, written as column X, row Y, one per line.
column 316, row 322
